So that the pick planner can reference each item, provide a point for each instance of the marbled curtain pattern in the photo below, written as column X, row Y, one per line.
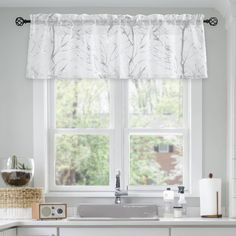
column 66, row 46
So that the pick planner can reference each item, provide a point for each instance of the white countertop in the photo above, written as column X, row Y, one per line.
column 163, row 222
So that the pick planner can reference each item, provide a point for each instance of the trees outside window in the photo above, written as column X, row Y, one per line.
column 91, row 120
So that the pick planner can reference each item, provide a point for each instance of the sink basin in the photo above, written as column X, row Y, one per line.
column 117, row 211
column 110, row 219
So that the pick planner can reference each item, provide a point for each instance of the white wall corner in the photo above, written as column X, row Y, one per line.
column 223, row 6
column 226, row 8
column 232, row 5
column 231, row 131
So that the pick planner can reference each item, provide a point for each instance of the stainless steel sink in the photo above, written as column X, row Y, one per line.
column 116, row 212
column 111, row 219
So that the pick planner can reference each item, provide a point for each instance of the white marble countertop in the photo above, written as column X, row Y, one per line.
column 163, row 222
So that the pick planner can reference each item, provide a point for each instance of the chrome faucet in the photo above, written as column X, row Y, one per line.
column 118, row 191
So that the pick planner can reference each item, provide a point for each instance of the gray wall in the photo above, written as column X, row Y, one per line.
column 16, row 114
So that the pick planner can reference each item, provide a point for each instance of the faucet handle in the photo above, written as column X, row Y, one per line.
column 118, row 173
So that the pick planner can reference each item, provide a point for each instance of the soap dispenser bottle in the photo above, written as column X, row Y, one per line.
column 168, row 197
column 182, row 201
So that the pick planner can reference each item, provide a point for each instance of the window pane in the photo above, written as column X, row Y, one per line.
column 82, row 160
column 82, row 104
column 156, row 103
column 156, row 160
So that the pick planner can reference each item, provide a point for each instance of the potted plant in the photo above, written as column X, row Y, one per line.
column 17, row 171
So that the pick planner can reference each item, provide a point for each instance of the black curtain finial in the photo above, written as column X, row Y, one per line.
column 213, row 21
column 20, row 21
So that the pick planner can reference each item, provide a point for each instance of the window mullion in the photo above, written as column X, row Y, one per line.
column 51, row 132
column 117, row 150
column 125, row 134
column 90, row 131
column 186, row 148
column 156, row 131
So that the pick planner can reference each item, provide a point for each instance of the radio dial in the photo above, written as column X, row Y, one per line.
column 59, row 211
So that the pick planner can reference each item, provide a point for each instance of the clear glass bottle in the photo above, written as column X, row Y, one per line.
column 168, row 197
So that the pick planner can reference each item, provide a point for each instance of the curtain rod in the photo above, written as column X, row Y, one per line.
column 212, row 21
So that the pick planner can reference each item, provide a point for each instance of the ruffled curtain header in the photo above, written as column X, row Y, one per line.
column 63, row 46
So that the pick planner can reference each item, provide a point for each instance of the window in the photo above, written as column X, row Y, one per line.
column 81, row 133
column 148, row 129
column 156, row 133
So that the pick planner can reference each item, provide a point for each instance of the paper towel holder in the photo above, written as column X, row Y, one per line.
column 217, row 204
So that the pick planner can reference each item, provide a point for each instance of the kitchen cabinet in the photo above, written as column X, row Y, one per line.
column 114, row 231
column 9, row 232
column 38, row 231
column 203, row 231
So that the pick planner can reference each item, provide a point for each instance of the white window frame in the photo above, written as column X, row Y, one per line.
column 119, row 158
column 52, row 131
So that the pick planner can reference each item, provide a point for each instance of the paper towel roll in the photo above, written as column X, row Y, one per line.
column 210, row 203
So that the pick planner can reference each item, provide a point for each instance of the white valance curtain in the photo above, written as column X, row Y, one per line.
column 116, row 47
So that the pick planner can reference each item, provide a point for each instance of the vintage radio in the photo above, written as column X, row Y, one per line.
column 49, row 211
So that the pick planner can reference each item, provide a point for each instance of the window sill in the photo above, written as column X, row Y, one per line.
column 156, row 194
